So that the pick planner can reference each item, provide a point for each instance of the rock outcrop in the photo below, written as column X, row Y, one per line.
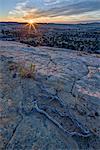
column 57, row 106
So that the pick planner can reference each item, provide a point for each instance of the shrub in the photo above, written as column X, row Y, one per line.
column 24, row 72
column 27, row 72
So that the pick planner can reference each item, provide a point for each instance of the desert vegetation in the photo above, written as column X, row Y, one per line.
column 81, row 38
column 22, row 70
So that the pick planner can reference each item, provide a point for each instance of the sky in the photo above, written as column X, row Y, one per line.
column 54, row 11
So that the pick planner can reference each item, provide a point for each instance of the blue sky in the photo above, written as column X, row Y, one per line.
column 63, row 11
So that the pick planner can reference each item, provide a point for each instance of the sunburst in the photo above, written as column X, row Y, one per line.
column 31, row 25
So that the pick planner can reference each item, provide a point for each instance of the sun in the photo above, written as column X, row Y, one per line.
column 31, row 25
column 30, row 22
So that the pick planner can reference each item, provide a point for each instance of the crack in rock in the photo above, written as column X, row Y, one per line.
column 85, row 134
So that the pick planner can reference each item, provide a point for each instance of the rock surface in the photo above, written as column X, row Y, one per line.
column 57, row 109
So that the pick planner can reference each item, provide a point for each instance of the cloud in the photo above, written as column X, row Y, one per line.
column 55, row 8
column 75, row 8
column 63, row 9
column 51, row 2
column 20, row 8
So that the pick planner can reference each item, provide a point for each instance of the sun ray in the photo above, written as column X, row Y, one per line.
column 31, row 26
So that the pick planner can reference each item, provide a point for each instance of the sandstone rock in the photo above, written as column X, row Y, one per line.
column 66, row 88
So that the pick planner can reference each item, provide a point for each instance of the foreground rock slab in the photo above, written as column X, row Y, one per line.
column 57, row 106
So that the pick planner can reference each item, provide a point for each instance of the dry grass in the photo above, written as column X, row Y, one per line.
column 24, row 72
column 27, row 72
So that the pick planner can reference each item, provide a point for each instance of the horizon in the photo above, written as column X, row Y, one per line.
column 77, row 23
column 50, row 11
